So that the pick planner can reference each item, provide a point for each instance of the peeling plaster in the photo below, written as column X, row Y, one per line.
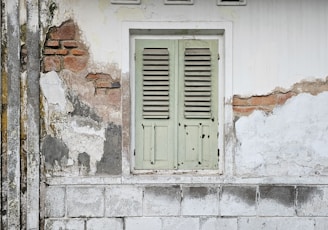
column 53, row 91
column 291, row 141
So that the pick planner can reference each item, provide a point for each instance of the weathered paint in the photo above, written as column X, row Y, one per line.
column 291, row 141
column 111, row 161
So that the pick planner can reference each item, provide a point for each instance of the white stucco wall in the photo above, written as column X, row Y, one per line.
column 275, row 42
column 291, row 141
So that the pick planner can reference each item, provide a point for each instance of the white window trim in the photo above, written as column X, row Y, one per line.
column 231, row 3
column 185, row 2
column 222, row 31
column 134, row 2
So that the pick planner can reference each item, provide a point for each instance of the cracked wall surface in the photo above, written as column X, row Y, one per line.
column 81, row 108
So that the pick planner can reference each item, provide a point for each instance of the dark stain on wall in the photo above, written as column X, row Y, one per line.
column 83, row 160
column 170, row 192
column 54, row 150
column 81, row 109
column 246, row 194
column 199, row 192
column 306, row 194
column 284, row 195
column 111, row 161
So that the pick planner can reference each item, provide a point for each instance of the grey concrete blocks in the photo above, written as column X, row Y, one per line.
column 85, row 201
column 198, row 201
column 123, row 201
column 55, row 201
column 312, row 201
column 199, row 207
column 105, row 223
column 214, row 223
column 180, row 223
column 162, row 201
column 276, row 223
column 276, row 201
column 143, row 223
column 60, row 224
column 238, row 201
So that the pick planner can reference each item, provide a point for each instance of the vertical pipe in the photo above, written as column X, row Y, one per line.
column 33, row 119
column 13, row 114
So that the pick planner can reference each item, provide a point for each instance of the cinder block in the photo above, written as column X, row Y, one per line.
column 218, row 223
column 199, row 201
column 58, row 224
column 312, row 201
column 276, row 201
column 85, row 202
column 55, row 201
column 321, row 223
column 123, row 201
column 105, row 223
column 143, row 223
column 238, row 201
column 176, row 223
column 276, row 223
column 161, row 201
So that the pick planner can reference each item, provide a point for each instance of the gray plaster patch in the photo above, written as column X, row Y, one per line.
column 284, row 195
column 111, row 161
column 83, row 160
column 55, row 151
column 81, row 109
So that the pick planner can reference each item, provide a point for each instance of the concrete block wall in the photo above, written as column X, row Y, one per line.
column 186, row 206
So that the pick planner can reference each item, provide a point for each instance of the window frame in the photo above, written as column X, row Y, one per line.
column 206, row 157
column 178, row 30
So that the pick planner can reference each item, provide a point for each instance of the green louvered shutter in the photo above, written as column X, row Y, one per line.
column 176, row 104
column 155, row 96
column 198, row 121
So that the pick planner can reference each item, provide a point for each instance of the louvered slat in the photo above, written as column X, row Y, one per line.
column 197, row 83
column 155, row 70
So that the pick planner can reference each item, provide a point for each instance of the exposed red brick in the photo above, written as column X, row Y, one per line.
column 243, row 110
column 75, row 63
column 78, row 52
column 70, row 44
column 92, row 76
column 52, row 43
column 283, row 97
column 55, row 52
column 65, row 32
column 263, row 100
column 240, row 101
column 103, row 83
column 95, row 76
column 115, row 97
column 51, row 63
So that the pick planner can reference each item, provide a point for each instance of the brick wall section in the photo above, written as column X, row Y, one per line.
column 198, row 207
column 243, row 106
column 63, row 50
